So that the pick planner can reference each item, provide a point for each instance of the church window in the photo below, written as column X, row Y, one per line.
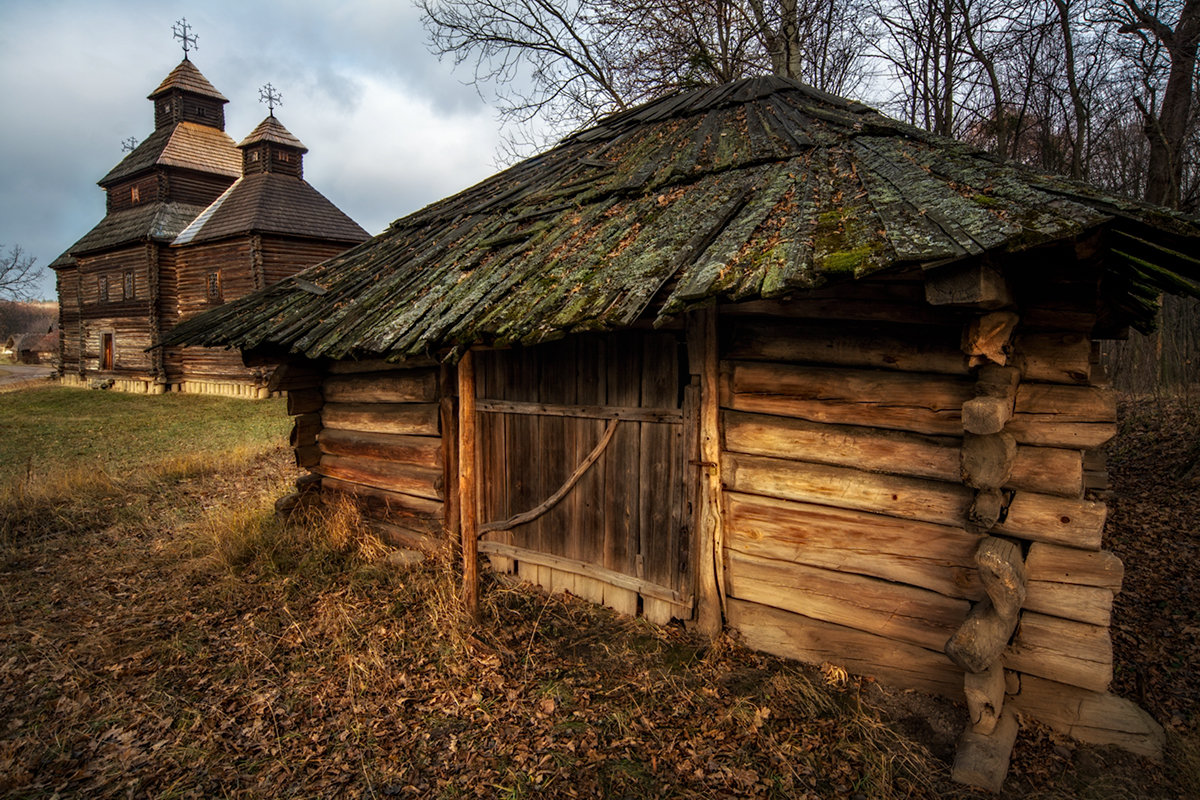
column 129, row 285
column 102, row 288
column 135, row 195
column 214, row 287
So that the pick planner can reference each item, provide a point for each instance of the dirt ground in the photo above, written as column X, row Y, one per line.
column 173, row 640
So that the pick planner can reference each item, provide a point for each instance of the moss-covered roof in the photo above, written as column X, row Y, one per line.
column 760, row 188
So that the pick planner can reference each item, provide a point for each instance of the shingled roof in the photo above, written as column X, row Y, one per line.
column 272, row 130
column 268, row 202
column 188, row 145
column 188, row 78
column 158, row 222
column 760, row 188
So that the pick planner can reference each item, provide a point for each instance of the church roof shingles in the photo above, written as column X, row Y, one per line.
column 188, row 78
column 187, row 145
column 267, row 202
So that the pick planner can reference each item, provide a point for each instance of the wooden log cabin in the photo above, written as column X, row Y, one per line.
column 192, row 221
column 756, row 357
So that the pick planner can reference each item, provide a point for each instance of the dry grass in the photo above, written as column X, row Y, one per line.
column 188, row 643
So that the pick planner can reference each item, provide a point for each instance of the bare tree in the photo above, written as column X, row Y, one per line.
column 567, row 63
column 1165, row 36
column 19, row 274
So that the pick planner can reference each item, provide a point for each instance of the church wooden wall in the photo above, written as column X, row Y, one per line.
column 282, row 257
column 67, row 282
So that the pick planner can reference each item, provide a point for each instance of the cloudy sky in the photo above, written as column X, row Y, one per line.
column 389, row 127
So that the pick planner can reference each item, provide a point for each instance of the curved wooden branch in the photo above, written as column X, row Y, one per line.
column 553, row 500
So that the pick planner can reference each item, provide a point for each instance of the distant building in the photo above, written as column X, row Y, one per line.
column 192, row 221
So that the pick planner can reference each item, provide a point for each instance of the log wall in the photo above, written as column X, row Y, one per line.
column 848, row 518
column 376, row 435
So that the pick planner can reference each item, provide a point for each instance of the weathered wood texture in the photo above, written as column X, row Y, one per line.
column 385, row 447
column 541, row 411
column 848, row 484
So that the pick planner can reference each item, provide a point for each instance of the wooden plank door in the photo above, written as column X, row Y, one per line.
column 541, row 412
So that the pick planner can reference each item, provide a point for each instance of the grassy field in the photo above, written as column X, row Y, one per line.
column 49, row 429
column 163, row 634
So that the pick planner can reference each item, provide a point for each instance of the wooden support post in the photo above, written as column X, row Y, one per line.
column 978, row 643
column 987, row 338
column 468, row 486
column 709, row 556
column 982, row 759
column 985, row 697
column 992, row 407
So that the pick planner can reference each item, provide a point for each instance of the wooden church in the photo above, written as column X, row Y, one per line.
column 758, row 357
column 192, row 221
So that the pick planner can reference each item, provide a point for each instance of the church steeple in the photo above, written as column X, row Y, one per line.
column 186, row 96
column 271, row 147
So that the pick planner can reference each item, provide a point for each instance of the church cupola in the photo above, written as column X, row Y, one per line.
column 271, row 147
column 186, row 95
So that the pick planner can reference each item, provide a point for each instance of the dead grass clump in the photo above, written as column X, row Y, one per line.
column 60, row 502
column 320, row 538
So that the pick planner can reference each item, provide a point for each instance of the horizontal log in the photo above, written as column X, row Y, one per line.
column 409, row 537
column 425, row 451
column 895, row 610
column 1034, row 429
column 1058, row 520
column 1090, row 604
column 1093, row 717
column 1037, row 469
column 1053, row 404
column 914, row 313
column 1058, row 357
column 389, row 475
column 919, row 403
column 882, row 347
column 896, row 663
column 872, row 449
column 304, row 401
column 308, row 455
column 1047, row 470
column 967, row 284
column 349, row 366
column 992, row 406
column 391, row 503
column 668, row 415
column 294, row 375
column 1050, row 562
column 940, row 558
column 305, row 430
column 397, row 386
column 587, row 569
column 841, row 487
column 1062, row 650
column 412, row 418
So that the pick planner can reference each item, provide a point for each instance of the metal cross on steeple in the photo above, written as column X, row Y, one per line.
column 269, row 95
column 129, row 144
column 180, row 31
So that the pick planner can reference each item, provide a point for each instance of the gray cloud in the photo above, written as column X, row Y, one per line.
column 390, row 128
